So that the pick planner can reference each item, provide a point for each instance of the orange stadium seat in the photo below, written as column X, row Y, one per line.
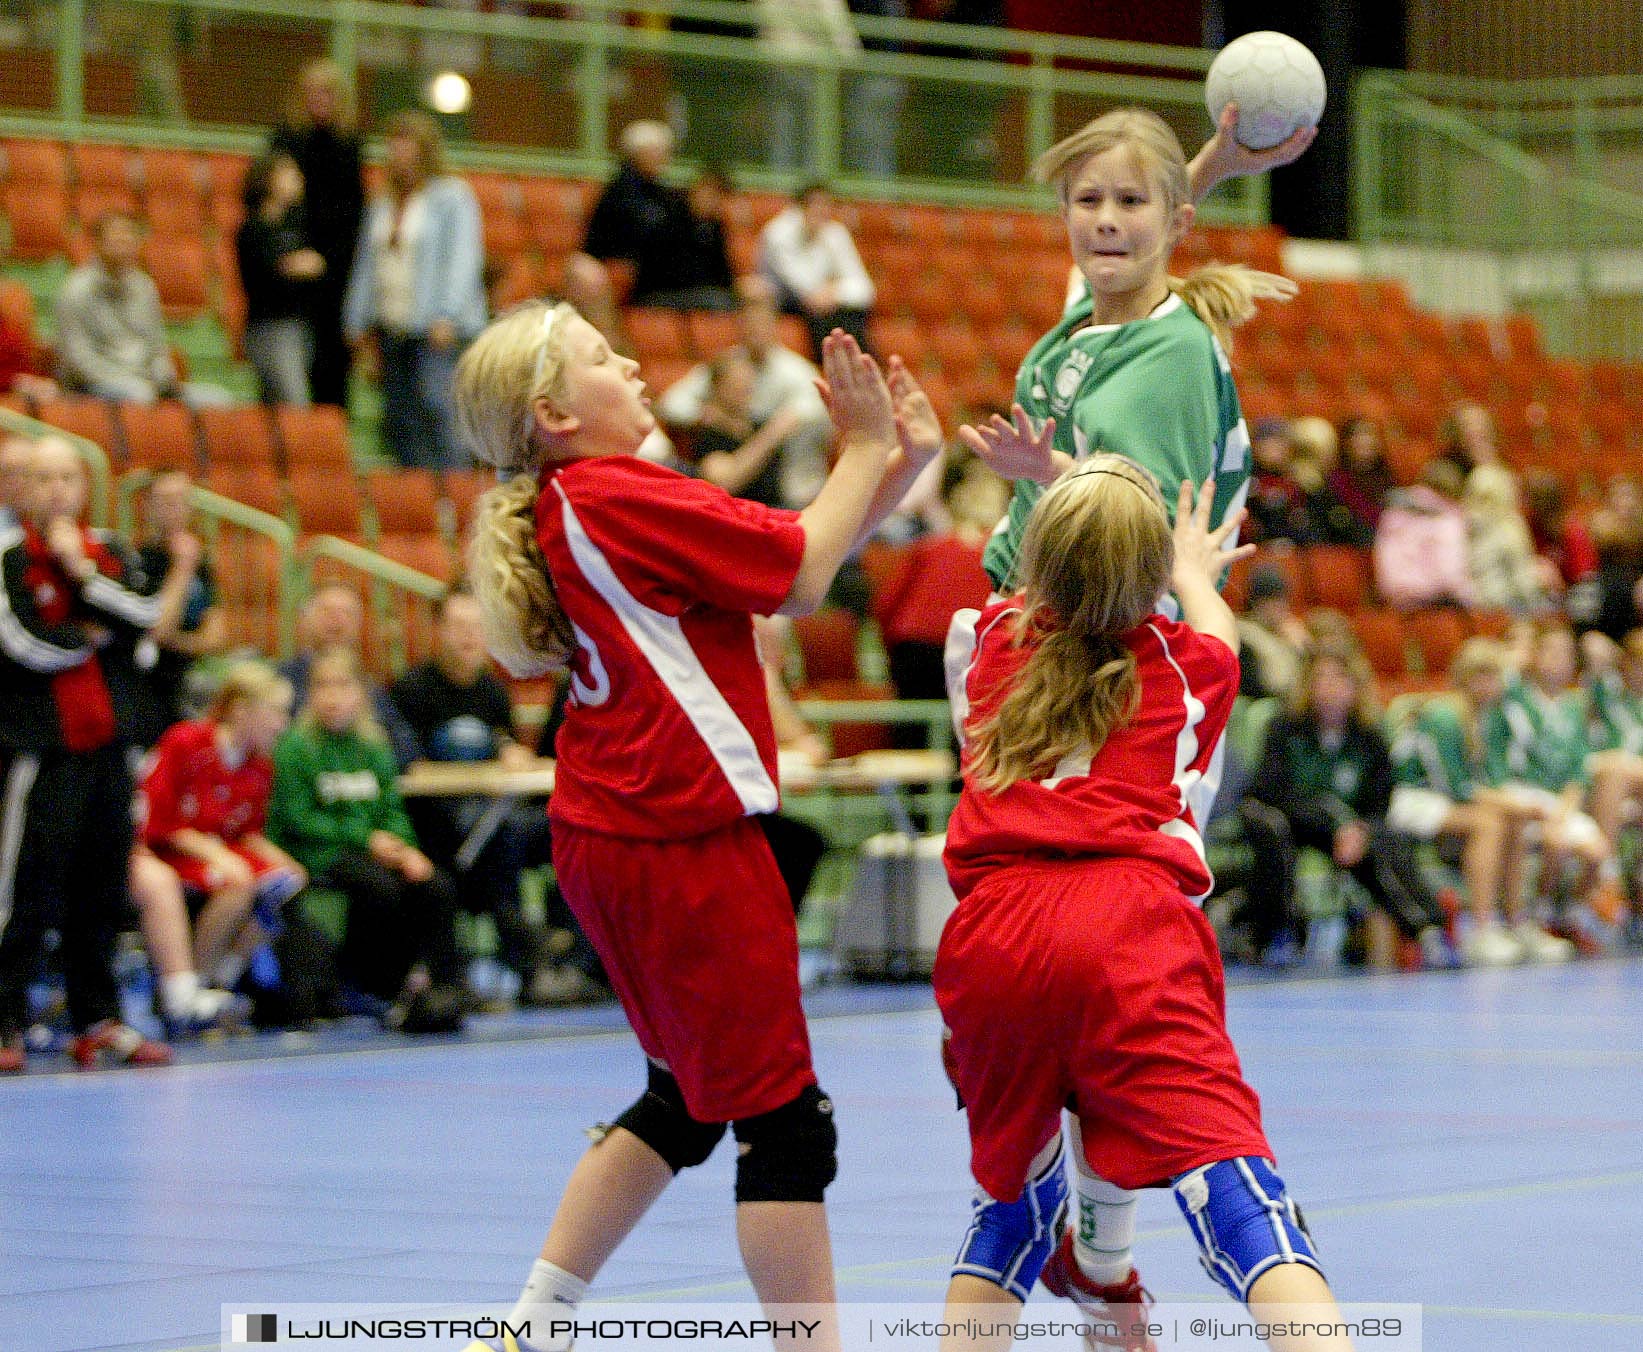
column 41, row 163
column 1337, row 576
column 1384, row 639
column 17, row 306
column 181, row 270
column 255, row 485
column 169, row 212
column 1438, row 633
column 427, row 553
column 405, row 501
column 38, row 217
column 106, row 166
column 242, row 435
column 709, row 333
column 505, row 235
column 314, row 438
column 161, row 436
column 88, row 418
column 176, row 172
column 227, row 211
column 656, row 332
column 462, row 489
column 327, row 503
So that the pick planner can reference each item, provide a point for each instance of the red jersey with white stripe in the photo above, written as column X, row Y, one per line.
column 1133, row 799
column 667, row 733
column 189, row 785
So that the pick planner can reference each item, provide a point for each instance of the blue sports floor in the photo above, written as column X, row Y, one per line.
column 1471, row 1142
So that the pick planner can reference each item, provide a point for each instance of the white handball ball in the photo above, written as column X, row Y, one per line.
column 1276, row 82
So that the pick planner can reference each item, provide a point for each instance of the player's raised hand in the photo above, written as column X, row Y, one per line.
column 1014, row 450
column 1224, row 156
column 855, row 391
column 1201, row 553
column 916, row 422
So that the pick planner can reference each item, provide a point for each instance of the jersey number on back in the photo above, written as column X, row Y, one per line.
column 589, row 681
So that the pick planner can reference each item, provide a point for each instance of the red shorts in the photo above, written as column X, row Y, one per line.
column 194, row 873
column 697, row 937
column 1095, row 986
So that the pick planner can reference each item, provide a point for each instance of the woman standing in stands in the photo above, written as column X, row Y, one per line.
column 644, row 584
column 319, row 135
column 279, row 273
column 418, row 289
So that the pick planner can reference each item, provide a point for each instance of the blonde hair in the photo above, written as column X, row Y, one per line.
column 344, row 662
column 1095, row 559
column 1492, row 491
column 248, row 683
column 1476, row 657
column 1223, row 295
column 323, row 71
column 1316, row 448
column 518, row 359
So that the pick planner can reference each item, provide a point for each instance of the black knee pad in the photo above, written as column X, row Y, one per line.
column 789, row 1154
column 660, row 1119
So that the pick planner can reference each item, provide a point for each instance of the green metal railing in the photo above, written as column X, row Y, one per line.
column 1450, row 204
column 948, row 114
column 90, row 452
column 400, row 600
column 253, row 555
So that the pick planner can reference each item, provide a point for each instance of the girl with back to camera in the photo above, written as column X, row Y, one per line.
column 643, row 583
column 1137, row 365
column 1079, row 969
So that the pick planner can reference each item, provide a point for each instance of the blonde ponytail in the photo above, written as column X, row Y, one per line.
column 525, row 628
column 1095, row 560
column 1223, row 295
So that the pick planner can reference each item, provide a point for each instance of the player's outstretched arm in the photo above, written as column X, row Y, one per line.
column 1200, row 555
column 1013, row 450
column 1224, row 157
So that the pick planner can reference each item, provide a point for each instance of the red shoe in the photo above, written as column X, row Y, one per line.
column 13, row 1056
column 1586, row 945
column 1410, row 957
column 119, row 1043
column 1121, row 1308
column 1449, row 904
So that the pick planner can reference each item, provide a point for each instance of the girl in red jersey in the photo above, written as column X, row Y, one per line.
column 206, row 793
column 643, row 583
column 1078, row 968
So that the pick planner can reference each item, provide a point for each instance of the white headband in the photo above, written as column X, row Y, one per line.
column 550, row 318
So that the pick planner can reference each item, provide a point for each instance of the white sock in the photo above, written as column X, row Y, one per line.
column 547, row 1285
column 177, row 993
column 1104, row 1229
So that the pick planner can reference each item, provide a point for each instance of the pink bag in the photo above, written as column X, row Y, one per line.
column 1421, row 552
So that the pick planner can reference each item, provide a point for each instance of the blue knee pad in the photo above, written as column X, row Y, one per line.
column 1243, row 1220
column 1008, row 1243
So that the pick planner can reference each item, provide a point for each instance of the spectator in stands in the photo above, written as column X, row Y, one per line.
column 68, row 667
column 279, row 272
column 418, row 288
column 1314, row 455
column 678, row 257
column 1506, row 572
column 1614, row 687
column 1325, row 782
column 809, row 256
column 336, row 808
column 16, row 475
column 206, row 793
column 740, row 453
column 1420, row 554
column 334, row 617
column 1273, row 638
column 1541, row 736
column 1362, row 478
column 1559, row 535
column 1276, row 502
column 873, row 101
column 795, row 34
column 319, row 134
column 1448, row 791
column 20, row 368
column 199, row 630
column 784, row 386
column 937, row 575
column 1617, row 537
column 111, row 337
column 459, row 711
column 1466, row 438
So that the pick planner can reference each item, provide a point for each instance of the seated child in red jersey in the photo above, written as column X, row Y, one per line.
column 644, row 583
column 206, row 795
column 1078, row 969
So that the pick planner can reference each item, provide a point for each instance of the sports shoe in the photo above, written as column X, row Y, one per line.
column 1539, row 946
column 1119, row 1307
column 119, row 1043
column 208, row 1011
column 1491, row 946
column 1577, row 942
column 1438, row 954
column 508, row 1343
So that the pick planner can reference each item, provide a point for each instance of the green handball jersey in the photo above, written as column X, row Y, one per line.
column 1158, row 390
